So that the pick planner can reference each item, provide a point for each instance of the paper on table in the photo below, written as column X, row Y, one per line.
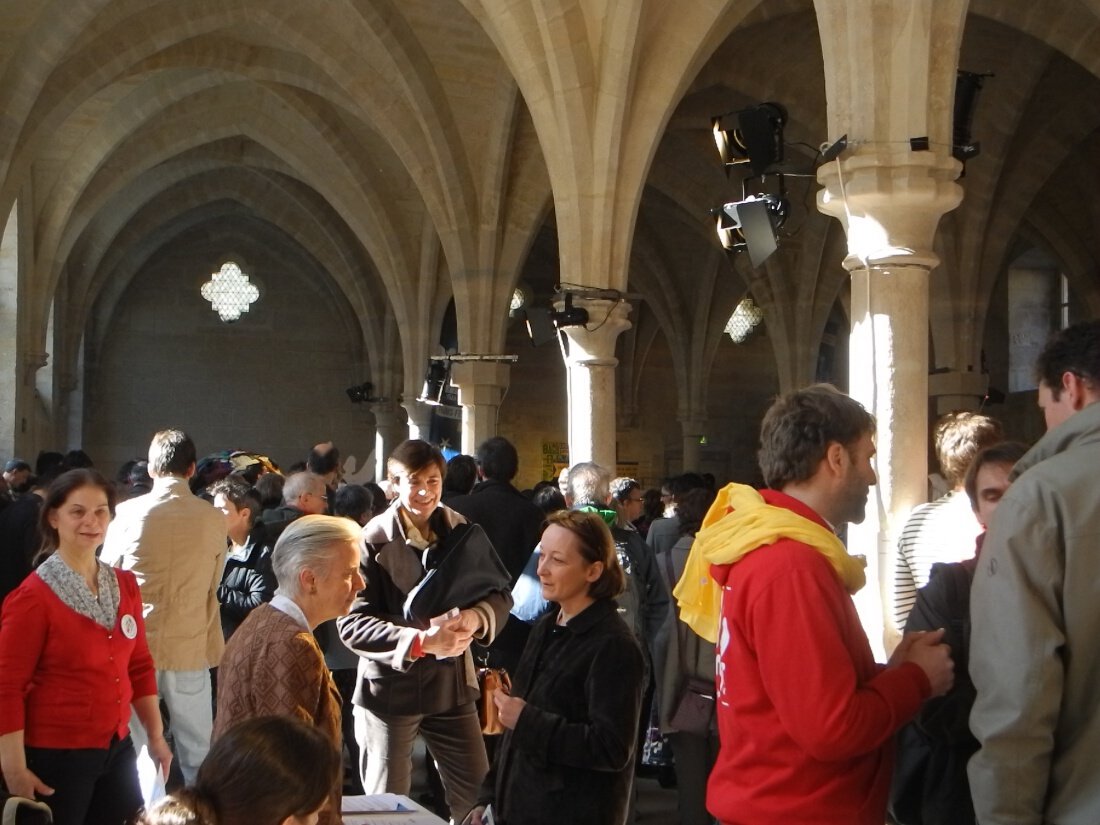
column 376, row 803
column 386, row 809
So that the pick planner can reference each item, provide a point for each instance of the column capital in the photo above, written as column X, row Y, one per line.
column 420, row 418
column 890, row 203
column 386, row 413
column 481, row 382
column 594, row 343
column 32, row 363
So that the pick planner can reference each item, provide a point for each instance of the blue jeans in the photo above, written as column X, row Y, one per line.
column 92, row 786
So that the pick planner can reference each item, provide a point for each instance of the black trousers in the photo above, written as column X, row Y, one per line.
column 92, row 786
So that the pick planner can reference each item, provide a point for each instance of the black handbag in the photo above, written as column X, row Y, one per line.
column 463, row 568
column 694, row 711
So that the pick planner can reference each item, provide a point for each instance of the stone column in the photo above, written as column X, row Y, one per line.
column 889, row 79
column 957, row 391
column 481, row 388
column 590, row 364
column 890, row 209
column 420, row 418
column 10, row 377
column 390, row 430
column 693, row 429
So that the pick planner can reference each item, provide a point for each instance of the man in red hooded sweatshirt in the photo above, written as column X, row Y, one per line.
column 806, row 717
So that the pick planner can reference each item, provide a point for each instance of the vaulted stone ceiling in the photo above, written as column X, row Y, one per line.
column 402, row 151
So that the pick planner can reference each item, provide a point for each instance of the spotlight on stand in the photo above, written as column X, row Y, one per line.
column 967, row 86
column 751, row 224
column 364, row 393
column 360, row 393
column 543, row 324
column 435, row 381
column 757, row 140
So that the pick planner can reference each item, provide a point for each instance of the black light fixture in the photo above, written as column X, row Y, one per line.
column 364, row 393
column 967, row 86
column 751, row 224
column 757, row 140
column 544, row 324
column 435, row 380
column 360, row 393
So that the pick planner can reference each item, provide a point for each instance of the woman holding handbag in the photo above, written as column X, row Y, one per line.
column 416, row 673
column 568, row 752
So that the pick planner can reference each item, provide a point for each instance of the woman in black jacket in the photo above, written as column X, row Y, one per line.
column 568, row 753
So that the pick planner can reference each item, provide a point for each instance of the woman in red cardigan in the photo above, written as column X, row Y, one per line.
column 73, row 658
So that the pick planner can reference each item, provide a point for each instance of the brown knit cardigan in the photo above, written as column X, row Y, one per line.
column 273, row 666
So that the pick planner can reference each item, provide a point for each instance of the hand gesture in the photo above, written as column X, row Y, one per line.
column 930, row 654
column 443, row 641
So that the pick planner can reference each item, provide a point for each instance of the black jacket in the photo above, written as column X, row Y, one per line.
column 246, row 582
column 512, row 523
column 571, row 755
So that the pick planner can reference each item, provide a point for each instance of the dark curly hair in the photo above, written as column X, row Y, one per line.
column 801, row 425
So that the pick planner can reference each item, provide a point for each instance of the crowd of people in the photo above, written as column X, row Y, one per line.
column 303, row 633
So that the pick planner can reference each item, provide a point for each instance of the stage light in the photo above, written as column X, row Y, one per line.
column 751, row 224
column 757, row 140
column 360, row 393
column 543, row 325
column 434, row 382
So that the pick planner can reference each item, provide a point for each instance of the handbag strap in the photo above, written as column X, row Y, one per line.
column 681, row 638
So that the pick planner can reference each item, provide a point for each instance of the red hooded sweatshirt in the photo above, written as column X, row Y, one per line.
column 806, row 717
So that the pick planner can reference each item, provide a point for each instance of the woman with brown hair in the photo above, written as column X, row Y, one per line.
column 572, row 717
column 73, row 659
column 268, row 770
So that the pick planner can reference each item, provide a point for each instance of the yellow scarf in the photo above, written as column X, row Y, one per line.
column 727, row 537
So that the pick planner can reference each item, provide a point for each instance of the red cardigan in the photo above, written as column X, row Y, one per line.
column 66, row 681
column 806, row 717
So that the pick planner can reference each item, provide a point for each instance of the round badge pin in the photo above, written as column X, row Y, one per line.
column 129, row 626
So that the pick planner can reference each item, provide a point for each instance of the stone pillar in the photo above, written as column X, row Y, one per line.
column 890, row 213
column 590, row 364
column 957, row 391
column 481, row 388
column 390, row 430
column 10, row 377
column 889, row 192
column 693, row 430
column 420, row 419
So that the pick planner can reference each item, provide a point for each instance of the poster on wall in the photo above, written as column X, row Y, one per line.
column 446, row 430
column 555, row 458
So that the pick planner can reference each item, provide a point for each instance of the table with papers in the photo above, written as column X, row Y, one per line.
column 386, row 809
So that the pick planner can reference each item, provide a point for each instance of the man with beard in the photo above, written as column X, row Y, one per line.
column 805, row 716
